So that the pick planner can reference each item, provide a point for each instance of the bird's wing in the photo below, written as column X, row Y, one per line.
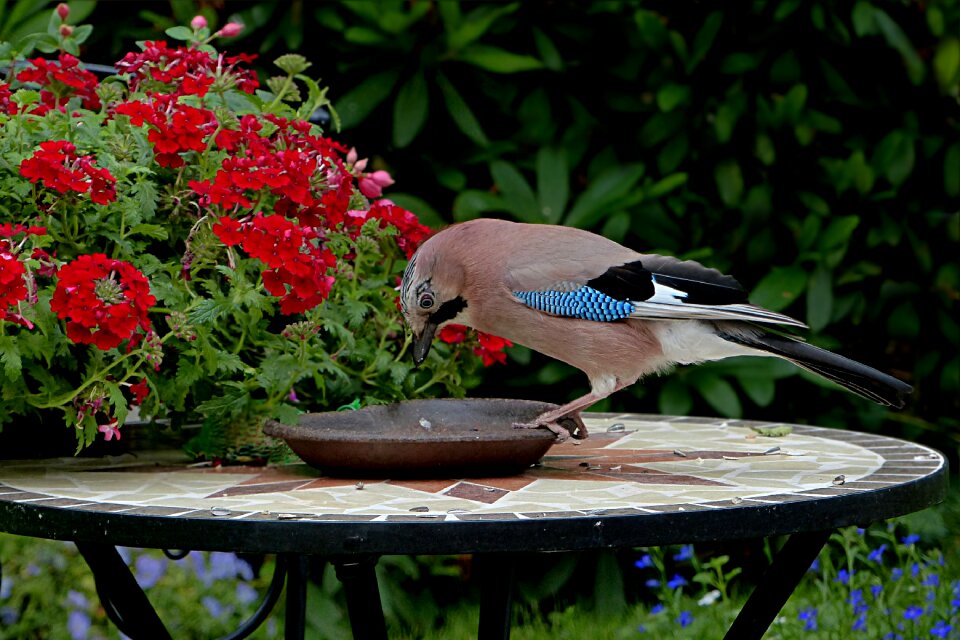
column 652, row 287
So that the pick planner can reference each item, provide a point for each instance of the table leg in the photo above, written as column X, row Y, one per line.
column 497, row 577
column 777, row 584
column 364, row 607
column 295, row 616
column 122, row 598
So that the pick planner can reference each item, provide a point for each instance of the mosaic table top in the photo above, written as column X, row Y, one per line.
column 631, row 465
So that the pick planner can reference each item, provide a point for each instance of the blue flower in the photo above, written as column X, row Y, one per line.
column 149, row 570
column 861, row 531
column 910, row 539
column 685, row 619
column 931, row 580
column 686, row 552
column 941, row 629
column 8, row 616
column 657, row 608
column 642, row 628
column 676, row 582
column 860, row 624
column 78, row 624
column 896, row 574
column 652, row 583
column 77, row 600
column 857, row 602
column 843, row 576
column 6, row 587
column 877, row 554
column 892, row 636
column 216, row 609
column 815, row 565
column 645, row 562
column 245, row 593
column 914, row 570
column 913, row 612
column 809, row 617
column 876, row 590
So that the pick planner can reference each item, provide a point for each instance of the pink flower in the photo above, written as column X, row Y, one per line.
column 63, row 10
column 230, row 30
column 198, row 22
column 372, row 184
column 110, row 430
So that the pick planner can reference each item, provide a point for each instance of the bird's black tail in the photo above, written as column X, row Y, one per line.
column 858, row 378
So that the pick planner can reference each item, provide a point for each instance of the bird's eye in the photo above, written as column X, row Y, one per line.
column 425, row 301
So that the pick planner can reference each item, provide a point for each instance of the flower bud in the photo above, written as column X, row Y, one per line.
column 66, row 30
column 230, row 30
column 198, row 22
column 63, row 10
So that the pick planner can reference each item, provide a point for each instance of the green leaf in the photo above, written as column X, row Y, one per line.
column 553, row 182
column 498, row 60
column 896, row 38
column 819, row 299
column 946, row 62
column 612, row 184
column 780, row 288
column 233, row 401
column 951, row 170
column 673, row 153
column 729, row 182
column 760, row 390
column 704, row 39
column 208, row 310
column 472, row 204
column 410, row 110
column 360, row 101
column 180, row 33
column 516, row 192
column 672, row 95
column 10, row 357
column 674, row 399
column 461, row 113
column 472, row 26
column 665, row 185
column 838, row 232
column 155, row 231
column 777, row 431
column 552, row 59
column 720, row 395
column 286, row 414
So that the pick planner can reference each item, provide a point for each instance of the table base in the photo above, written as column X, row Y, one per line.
column 129, row 609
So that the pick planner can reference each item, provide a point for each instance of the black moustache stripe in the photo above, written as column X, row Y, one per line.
column 448, row 310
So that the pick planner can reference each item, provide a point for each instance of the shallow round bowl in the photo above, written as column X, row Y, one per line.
column 464, row 438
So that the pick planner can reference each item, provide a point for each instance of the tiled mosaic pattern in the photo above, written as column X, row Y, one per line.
column 629, row 464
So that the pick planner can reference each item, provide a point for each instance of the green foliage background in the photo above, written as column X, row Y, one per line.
column 811, row 149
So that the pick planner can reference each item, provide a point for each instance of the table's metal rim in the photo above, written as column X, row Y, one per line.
column 426, row 536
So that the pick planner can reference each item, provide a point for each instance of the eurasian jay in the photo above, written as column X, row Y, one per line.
column 615, row 314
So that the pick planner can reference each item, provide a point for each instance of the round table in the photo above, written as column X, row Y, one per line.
column 638, row 480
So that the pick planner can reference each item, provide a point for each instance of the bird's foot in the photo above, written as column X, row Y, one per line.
column 564, row 428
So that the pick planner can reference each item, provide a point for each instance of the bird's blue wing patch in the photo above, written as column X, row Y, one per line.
column 585, row 303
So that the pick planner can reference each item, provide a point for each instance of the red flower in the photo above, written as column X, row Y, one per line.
column 61, row 80
column 412, row 233
column 298, row 267
column 7, row 106
column 103, row 300
column 140, row 391
column 491, row 348
column 13, row 286
column 186, row 70
column 453, row 333
column 57, row 165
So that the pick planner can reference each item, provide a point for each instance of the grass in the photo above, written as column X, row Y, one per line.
column 896, row 581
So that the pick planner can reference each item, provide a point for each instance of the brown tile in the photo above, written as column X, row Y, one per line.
column 254, row 489
column 475, row 492
column 427, row 486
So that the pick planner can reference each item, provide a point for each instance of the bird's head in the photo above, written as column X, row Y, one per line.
column 431, row 295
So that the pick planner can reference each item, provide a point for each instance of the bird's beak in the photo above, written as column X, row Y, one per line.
column 422, row 342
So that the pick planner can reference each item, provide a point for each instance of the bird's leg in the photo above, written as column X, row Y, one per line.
column 551, row 419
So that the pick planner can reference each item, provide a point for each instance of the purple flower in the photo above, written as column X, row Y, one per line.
column 843, row 576
column 877, row 554
column 8, row 616
column 685, row 619
column 686, row 552
column 78, row 624
column 125, row 555
column 200, row 567
column 6, row 587
column 652, row 583
column 676, row 581
column 226, row 566
column 941, row 629
column 809, row 617
column 913, row 612
column 149, row 570
column 645, row 562
column 77, row 600
column 216, row 609
column 245, row 593
column 910, row 539
column 33, row 570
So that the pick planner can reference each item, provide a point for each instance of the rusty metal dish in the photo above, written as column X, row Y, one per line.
column 456, row 438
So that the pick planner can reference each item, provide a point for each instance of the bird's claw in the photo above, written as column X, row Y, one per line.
column 557, row 427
